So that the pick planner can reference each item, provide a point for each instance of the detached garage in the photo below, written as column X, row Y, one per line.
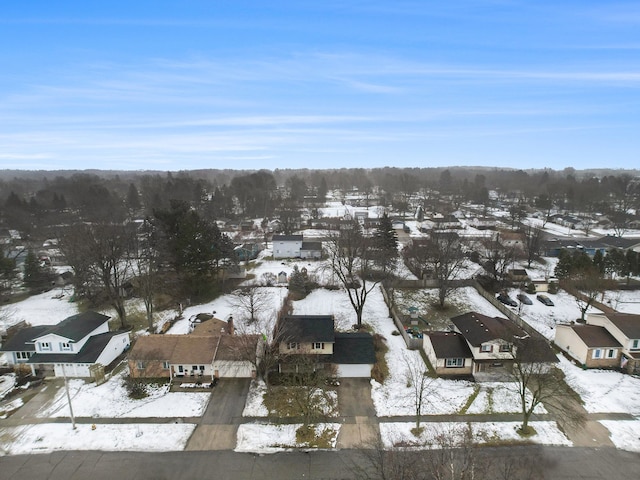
column 353, row 355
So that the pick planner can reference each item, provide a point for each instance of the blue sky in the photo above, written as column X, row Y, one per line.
column 160, row 85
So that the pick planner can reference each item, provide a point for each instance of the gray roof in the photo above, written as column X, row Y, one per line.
column 354, row 348
column 89, row 352
column 306, row 328
column 311, row 246
column 18, row 342
column 449, row 345
column 595, row 336
column 478, row 328
column 76, row 327
column 628, row 323
column 287, row 238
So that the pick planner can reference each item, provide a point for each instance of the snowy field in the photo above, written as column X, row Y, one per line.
column 625, row 301
column 110, row 400
column 51, row 437
column 42, row 309
column 543, row 318
column 265, row 438
column 603, row 390
column 395, row 434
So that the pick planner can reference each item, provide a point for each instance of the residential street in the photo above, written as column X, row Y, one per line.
column 560, row 463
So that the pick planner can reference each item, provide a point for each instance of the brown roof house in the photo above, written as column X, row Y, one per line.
column 209, row 352
column 448, row 353
column 494, row 344
column 591, row 345
column 624, row 328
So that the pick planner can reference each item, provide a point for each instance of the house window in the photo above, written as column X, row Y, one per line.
column 165, row 365
column 486, row 348
column 65, row 347
column 293, row 346
column 45, row 346
column 610, row 353
column 140, row 365
column 318, row 346
column 635, row 345
column 597, row 353
column 23, row 355
column 201, row 368
column 505, row 348
column 454, row 362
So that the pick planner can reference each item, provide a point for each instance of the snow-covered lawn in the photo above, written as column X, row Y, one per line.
column 265, row 438
column 624, row 433
column 394, row 434
column 625, row 301
column 7, row 383
column 42, row 309
column 603, row 390
column 543, row 318
column 50, row 437
column 110, row 400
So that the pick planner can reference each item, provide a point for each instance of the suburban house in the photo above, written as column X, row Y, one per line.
column 311, row 250
column 492, row 342
column 211, row 351
column 448, row 353
column 247, row 251
column 591, row 345
column 286, row 246
column 72, row 348
column 294, row 246
column 313, row 338
column 625, row 328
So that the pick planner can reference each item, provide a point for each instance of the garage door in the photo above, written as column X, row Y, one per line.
column 354, row 371
column 234, row 369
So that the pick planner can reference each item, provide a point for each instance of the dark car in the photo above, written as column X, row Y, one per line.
column 507, row 300
column 524, row 299
column 546, row 300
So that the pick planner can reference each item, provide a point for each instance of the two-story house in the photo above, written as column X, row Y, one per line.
column 310, row 341
column 71, row 348
column 294, row 246
column 620, row 334
column 493, row 342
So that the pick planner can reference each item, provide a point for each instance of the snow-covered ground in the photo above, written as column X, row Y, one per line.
column 267, row 438
column 110, row 400
column 49, row 437
column 602, row 391
column 394, row 434
column 43, row 309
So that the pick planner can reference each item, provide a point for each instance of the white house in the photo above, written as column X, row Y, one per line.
column 286, row 246
column 69, row 348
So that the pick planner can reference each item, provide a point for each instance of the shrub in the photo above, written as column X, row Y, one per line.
column 135, row 388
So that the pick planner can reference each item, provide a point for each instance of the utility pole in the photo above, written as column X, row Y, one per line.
column 66, row 387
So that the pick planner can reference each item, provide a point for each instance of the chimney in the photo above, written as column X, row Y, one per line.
column 230, row 328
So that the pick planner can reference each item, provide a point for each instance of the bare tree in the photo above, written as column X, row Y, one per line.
column 587, row 285
column 101, row 253
column 452, row 453
column 251, row 302
column 497, row 257
column 533, row 238
column 537, row 382
column 446, row 258
column 420, row 384
column 146, row 269
column 353, row 264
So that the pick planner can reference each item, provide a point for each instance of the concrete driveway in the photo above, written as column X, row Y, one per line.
column 218, row 425
column 360, row 427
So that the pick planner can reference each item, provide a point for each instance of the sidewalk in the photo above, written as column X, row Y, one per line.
column 219, row 433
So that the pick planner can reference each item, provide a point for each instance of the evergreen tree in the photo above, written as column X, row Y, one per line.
column 133, row 198
column 36, row 275
column 386, row 244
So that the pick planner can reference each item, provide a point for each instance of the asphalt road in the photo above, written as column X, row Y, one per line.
column 560, row 464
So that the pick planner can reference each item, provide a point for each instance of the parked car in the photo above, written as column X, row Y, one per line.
column 524, row 299
column 546, row 300
column 507, row 300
